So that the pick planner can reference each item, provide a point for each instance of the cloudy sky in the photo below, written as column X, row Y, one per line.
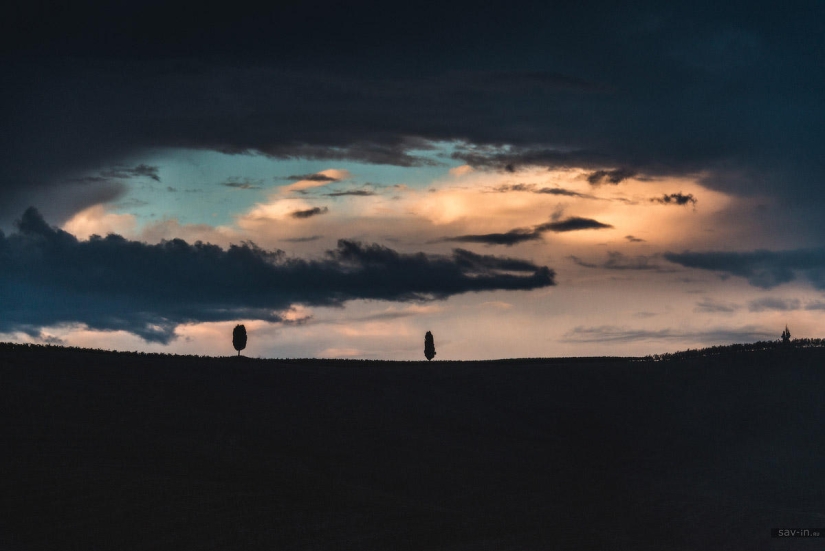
column 521, row 179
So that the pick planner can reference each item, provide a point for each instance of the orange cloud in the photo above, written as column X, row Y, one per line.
column 96, row 221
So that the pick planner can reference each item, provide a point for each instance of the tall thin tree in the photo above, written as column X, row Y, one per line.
column 429, row 346
column 239, row 338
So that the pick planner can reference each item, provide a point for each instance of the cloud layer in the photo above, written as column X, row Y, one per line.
column 647, row 89
column 765, row 269
column 111, row 283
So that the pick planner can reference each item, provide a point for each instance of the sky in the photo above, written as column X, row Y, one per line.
column 522, row 179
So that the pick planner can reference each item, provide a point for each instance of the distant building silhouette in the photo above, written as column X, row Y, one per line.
column 239, row 338
column 786, row 336
column 429, row 346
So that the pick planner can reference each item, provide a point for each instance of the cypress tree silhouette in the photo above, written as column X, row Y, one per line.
column 429, row 346
column 786, row 336
column 239, row 338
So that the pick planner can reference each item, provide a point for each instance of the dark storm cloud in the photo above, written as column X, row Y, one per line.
column 573, row 223
column 308, row 213
column 612, row 177
column 676, row 199
column 111, row 283
column 765, row 269
column 729, row 91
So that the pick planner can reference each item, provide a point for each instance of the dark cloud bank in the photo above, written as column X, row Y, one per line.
column 730, row 91
column 765, row 269
column 110, row 283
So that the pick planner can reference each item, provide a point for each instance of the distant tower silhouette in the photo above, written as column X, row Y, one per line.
column 429, row 346
column 786, row 336
column 239, row 338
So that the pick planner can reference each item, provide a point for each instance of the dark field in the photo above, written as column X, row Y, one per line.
column 127, row 452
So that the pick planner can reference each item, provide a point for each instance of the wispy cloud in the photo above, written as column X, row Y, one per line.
column 243, row 183
column 612, row 177
column 520, row 235
column 710, row 306
column 318, row 179
column 774, row 304
column 512, row 237
column 352, row 193
column 302, row 239
column 533, row 188
column 315, row 177
column 679, row 199
column 618, row 261
column 612, row 333
column 309, row 213
column 573, row 223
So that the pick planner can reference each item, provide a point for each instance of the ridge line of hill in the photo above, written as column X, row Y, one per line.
column 6, row 347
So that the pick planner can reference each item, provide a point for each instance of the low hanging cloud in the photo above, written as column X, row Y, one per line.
column 761, row 268
column 679, row 199
column 110, row 283
column 309, row 213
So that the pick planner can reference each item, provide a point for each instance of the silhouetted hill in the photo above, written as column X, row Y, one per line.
column 106, row 450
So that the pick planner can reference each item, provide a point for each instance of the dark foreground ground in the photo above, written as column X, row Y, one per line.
column 105, row 451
